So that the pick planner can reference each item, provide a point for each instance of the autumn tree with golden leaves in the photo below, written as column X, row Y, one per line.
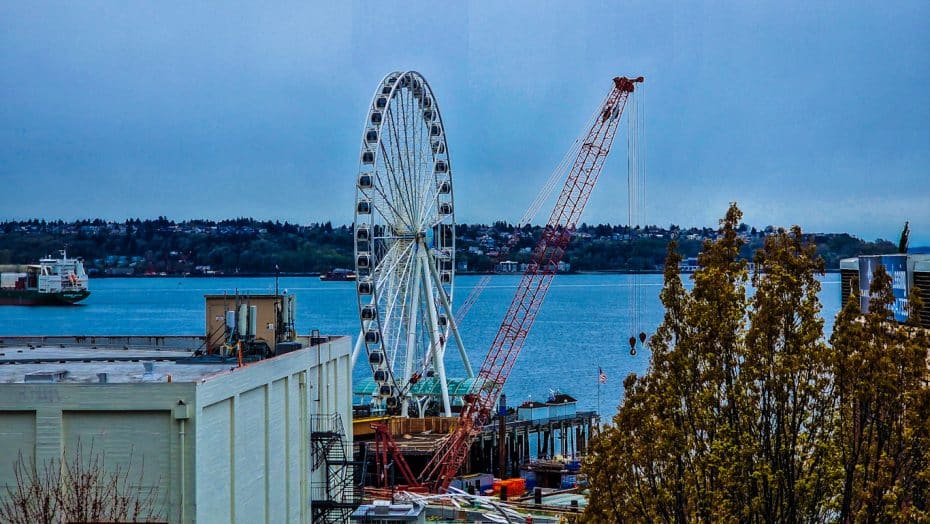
column 746, row 414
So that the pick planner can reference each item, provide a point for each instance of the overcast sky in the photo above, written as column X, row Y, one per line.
column 809, row 113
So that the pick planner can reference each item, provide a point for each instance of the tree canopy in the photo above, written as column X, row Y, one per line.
column 746, row 413
column 249, row 246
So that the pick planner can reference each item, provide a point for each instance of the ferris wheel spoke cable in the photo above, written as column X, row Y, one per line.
column 385, row 206
column 395, row 188
column 396, row 298
column 427, row 219
column 415, row 175
column 402, row 184
column 411, row 171
column 395, row 259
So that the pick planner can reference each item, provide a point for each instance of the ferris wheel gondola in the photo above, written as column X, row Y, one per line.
column 405, row 244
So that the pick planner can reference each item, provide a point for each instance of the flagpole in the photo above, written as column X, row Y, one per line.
column 599, row 392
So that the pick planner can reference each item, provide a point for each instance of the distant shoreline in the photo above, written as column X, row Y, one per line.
column 231, row 275
column 462, row 273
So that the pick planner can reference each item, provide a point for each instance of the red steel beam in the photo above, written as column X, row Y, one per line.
column 533, row 287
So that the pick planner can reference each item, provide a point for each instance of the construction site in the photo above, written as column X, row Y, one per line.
column 251, row 422
column 451, row 446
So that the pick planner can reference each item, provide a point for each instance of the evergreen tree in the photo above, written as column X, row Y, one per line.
column 883, row 423
column 738, row 417
column 787, row 380
column 673, row 449
column 638, row 469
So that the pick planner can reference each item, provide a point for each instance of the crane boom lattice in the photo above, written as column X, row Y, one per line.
column 533, row 287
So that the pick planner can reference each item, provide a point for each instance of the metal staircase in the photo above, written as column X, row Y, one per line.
column 332, row 500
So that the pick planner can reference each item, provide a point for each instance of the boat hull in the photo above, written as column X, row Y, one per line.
column 338, row 279
column 339, row 275
column 28, row 297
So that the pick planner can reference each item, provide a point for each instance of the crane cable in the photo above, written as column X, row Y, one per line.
column 636, row 197
column 560, row 171
column 641, row 157
column 556, row 179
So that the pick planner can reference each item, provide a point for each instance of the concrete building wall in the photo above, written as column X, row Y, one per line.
column 232, row 447
column 254, row 474
column 121, row 438
column 122, row 424
column 215, row 487
column 17, row 432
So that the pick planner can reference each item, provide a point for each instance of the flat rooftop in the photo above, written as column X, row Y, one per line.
column 81, row 359
column 24, row 364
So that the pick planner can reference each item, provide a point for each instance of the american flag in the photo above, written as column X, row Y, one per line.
column 601, row 376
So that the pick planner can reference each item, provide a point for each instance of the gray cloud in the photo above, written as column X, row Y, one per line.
column 805, row 114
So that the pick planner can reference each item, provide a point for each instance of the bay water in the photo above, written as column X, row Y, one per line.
column 583, row 326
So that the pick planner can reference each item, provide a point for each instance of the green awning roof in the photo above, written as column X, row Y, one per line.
column 428, row 386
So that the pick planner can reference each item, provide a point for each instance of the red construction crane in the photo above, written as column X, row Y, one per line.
column 386, row 448
column 580, row 181
column 486, row 279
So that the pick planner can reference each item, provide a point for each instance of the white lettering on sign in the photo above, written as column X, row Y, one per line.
column 899, row 280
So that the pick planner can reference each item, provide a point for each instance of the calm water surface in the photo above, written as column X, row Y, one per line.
column 584, row 323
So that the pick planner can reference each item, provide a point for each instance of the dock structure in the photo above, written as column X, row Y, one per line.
column 528, row 441
column 529, row 445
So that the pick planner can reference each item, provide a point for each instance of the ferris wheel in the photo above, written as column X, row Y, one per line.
column 405, row 246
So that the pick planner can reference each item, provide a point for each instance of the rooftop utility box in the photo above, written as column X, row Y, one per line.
column 218, row 442
column 264, row 318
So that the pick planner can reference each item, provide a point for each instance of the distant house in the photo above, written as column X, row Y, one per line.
column 507, row 266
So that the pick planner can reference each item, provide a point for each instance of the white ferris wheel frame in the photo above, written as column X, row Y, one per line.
column 404, row 238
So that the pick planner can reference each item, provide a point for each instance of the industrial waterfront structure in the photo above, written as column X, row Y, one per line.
column 215, row 440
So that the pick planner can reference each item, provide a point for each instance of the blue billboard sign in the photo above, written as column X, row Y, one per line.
column 896, row 267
